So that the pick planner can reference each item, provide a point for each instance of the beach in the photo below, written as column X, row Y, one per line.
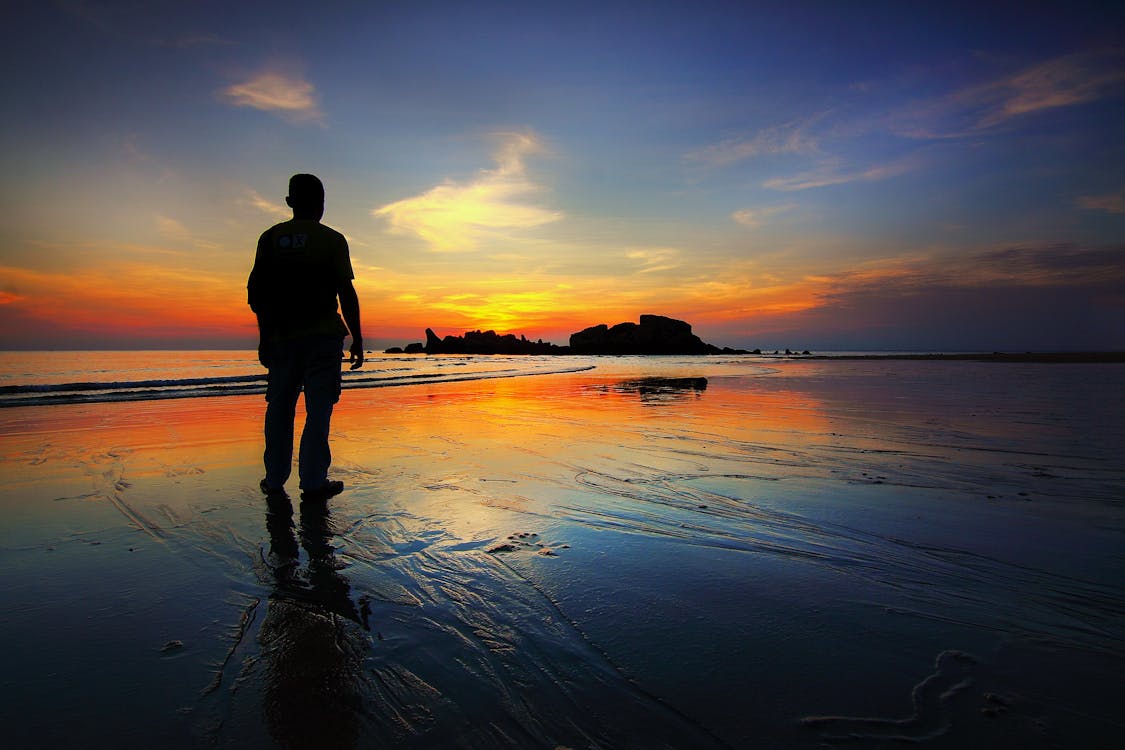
column 641, row 552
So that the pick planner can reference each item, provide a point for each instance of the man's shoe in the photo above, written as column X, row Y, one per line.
column 271, row 491
column 330, row 488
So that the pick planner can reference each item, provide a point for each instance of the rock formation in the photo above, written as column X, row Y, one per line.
column 487, row 342
column 655, row 334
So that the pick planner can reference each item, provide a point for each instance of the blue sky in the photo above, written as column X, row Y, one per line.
column 821, row 175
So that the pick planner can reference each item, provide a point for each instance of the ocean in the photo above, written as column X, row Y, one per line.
column 40, row 378
column 29, row 378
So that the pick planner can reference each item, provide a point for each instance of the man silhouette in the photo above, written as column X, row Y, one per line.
column 300, row 268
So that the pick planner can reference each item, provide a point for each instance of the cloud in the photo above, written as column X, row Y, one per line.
column 1022, row 265
column 291, row 97
column 757, row 217
column 457, row 216
column 790, row 138
column 833, row 175
column 171, row 228
column 277, row 210
column 191, row 41
column 654, row 259
column 179, row 233
column 1113, row 203
column 1059, row 82
column 1042, row 265
column 1048, row 296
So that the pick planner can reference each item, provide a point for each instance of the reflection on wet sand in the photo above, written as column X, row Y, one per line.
column 826, row 552
column 314, row 637
column 661, row 389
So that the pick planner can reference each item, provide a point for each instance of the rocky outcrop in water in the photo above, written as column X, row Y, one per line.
column 487, row 342
column 654, row 334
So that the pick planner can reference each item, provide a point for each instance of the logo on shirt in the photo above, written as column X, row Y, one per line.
column 296, row 241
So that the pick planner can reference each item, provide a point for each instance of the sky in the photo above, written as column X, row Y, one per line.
column 913, row 176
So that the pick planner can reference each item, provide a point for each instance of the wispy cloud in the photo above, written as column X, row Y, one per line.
column 1013, row 297
column 1060, row 82
column 254, row 199
column 191, row 41
column 290, row 96
column 171, row 228
column 1064, row 81
column 757, row 217
column 790, row 138
column 1113, row 203
column 834, row 175
column 654, row 259
column 179, row 233
column 456, row 216
column 1041, row 264
column 1024, row 265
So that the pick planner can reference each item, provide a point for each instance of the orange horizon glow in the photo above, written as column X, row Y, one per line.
column 134, row 298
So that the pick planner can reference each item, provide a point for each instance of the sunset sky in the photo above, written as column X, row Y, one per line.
column 834, row 175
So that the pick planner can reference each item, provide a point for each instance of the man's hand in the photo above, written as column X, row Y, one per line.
column 356, row 354
column 349, row 308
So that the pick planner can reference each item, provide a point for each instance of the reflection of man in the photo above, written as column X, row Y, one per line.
column 313, row 637
column 300, row 268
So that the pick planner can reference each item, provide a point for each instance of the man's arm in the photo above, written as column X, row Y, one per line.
column 256, row 297
column 349, row 308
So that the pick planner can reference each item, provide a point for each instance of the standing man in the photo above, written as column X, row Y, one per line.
column 300, row 269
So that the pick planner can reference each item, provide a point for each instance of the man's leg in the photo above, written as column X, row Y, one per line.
column 281, row 395
column 322, row 391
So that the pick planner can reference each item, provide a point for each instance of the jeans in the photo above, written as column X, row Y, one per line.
column 312, row 363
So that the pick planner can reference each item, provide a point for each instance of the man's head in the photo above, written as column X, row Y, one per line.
column 306, row 197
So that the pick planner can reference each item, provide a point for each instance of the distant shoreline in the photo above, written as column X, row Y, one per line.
column 1043, row 357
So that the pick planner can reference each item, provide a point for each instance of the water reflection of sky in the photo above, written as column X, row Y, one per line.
column 766, row 536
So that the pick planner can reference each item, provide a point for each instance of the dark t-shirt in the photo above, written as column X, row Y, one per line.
column 298, row 270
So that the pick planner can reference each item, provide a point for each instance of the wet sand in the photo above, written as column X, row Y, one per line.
column 819, row 552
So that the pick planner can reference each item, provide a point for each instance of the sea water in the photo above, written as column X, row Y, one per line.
column 38, row 378
column 61, row 377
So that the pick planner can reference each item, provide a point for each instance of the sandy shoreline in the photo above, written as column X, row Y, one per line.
column 770, row 559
